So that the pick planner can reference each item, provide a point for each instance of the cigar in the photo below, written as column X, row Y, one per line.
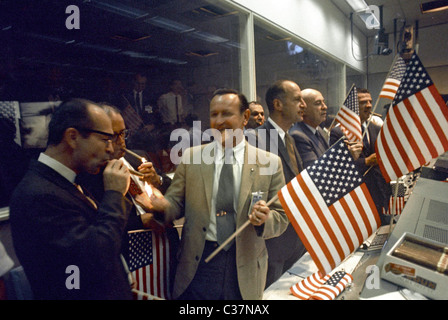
column 142, row 159
column 136, row 173
column 376, row 114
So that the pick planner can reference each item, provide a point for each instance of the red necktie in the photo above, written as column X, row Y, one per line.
column 134, row 188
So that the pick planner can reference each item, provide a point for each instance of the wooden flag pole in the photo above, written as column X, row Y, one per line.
column 237, row 232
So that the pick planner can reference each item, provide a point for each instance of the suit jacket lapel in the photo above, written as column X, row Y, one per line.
column 48, row 173
column 208, row 172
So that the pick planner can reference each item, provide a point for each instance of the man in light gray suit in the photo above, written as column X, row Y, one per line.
column 237, row 272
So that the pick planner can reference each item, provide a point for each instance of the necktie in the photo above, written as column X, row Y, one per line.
column 225, row 212
column 87, row 197
column 365, row 139
column 289, row 143
column 321, row 140
column 134, row 188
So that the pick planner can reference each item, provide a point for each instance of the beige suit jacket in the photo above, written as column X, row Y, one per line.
column 190, row 197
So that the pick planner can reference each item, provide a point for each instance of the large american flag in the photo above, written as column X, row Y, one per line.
column 393, row 79
column 148, row 262
column 416, row 127
column 330, row 208
column 348, row 117
column 316, row 287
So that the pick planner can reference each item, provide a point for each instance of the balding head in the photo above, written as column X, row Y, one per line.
column 316, row 109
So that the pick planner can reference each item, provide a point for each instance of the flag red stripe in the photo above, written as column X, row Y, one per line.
column 389, row 127
column 351, row 218
column 372, row 205
column 420, row 126
column 324, row 221
column 434, row 123
column 342, row 227
column 362, row 212
column 314, row 230
column 296, row 226
column 381, row 164
column 438, row 98
column 410, row 138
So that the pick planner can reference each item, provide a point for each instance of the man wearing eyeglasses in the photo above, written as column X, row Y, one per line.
column 68, row 244
column 140, row 216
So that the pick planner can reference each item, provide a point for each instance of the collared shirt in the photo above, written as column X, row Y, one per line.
column 60, row 168
column 168, row 108
column 280, row 131
column 140, row 183
column 313, row 130
column 238, row 152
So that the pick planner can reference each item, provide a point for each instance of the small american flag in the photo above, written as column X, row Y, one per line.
column 333, row 286
column 348, row 117
column 393, row 80
column 305, row 288
column 316, row 287
column 330, row 208
column 131, row 118
column 416, row 127
column 400, row 199
column 148, row 262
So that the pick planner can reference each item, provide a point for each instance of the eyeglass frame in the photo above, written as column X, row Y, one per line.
column 123, row 134
column 111, row 136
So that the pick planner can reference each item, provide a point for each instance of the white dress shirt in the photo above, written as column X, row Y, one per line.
column 238, row 152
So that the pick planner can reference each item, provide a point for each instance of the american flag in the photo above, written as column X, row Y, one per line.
column 11, row 110
column 348, row 117
column 148, row 262
column 316, row 287
column 393, row 80
column 305, row 288
column 131, row 118
column 400, row 199
column 416, row 127
column 330, row 208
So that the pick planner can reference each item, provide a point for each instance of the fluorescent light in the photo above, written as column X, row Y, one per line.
column 120, row 9
column 434, row 6
column 358, row 5
column 169, row 24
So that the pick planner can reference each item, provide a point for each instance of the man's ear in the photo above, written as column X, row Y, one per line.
column 71, row 136
column 278, row 104
column 246, row 115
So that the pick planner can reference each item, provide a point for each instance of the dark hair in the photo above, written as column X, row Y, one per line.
column 70, row 114
column 362, row 90
column 244, row 105
column 275, row 91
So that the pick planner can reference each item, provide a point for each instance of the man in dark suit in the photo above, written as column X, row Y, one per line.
column 367, row 162
column 68, row 244
column 310, row 138
column 286, row 106
column 140, row 216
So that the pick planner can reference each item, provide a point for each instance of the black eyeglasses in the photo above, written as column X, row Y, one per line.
column 122, row 134
column 110, row 135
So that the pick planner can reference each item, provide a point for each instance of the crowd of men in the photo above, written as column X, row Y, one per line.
column 79, row 200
